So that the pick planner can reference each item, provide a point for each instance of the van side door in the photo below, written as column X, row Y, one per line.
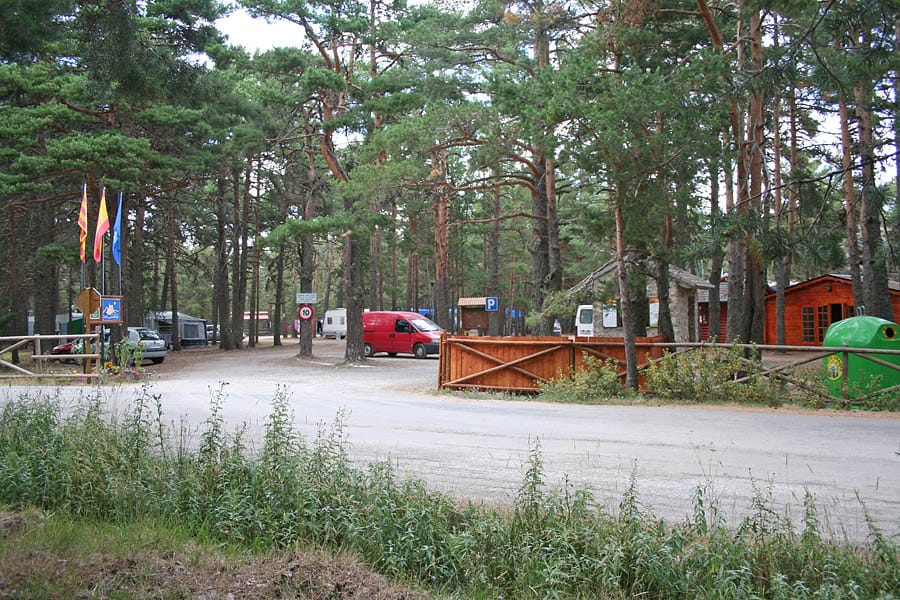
column 401, row 337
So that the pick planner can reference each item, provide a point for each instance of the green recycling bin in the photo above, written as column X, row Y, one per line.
column 863, row 376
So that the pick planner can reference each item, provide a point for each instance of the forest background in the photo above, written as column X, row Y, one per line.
column 406, row 155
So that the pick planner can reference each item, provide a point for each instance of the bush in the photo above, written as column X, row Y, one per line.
column 711, row 374
column 596, row 382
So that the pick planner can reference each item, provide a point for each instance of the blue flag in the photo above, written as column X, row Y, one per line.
column 117, row 235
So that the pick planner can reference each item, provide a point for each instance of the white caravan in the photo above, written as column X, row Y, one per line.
column 335, row 323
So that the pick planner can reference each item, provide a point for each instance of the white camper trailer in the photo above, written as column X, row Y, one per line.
column 335, row 323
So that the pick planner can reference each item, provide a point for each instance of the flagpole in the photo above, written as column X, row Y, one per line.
column 117, row 234
column 102, row 265
column 102, row 228
column 102, row 270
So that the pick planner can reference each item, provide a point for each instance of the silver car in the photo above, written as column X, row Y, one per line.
column 152, row 346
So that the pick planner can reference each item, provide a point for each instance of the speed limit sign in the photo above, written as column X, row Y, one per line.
column 305, row 312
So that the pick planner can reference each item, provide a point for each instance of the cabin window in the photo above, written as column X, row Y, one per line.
column 808, row 324
column 824, row 313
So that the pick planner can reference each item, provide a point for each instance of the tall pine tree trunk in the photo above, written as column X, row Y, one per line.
column 850, row 207
column 495, row 322
column 412, row 266
column 714, row 315
column 45, row 273
column 172, row 270
column 240, row 212
column 253, row 337
column 221, row 300
column 756, row 272
column 631, row 370
column 441, row 242
column 874, row 260
column 307, row 249
column 540, row 247
column 133, row 258
column 782, row 275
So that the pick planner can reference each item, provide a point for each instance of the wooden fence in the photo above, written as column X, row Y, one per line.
column 522, row 364
column 35, row 349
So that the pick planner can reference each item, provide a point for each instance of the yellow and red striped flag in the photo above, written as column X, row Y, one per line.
column 102, row 228
column 82, row 221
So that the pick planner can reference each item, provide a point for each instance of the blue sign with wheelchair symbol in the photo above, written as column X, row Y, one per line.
column 491, row 303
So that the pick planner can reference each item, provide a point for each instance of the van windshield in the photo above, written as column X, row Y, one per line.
column 586, row 316
column 423, row 324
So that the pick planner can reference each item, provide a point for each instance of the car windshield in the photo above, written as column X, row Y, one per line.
column 423, row 324
column 148, row 334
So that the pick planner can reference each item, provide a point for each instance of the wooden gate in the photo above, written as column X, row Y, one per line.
column 521, row 364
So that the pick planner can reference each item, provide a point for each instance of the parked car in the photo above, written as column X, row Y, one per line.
column 74, row 347
column 64, row 348
column 399, row 332
column 153, row 347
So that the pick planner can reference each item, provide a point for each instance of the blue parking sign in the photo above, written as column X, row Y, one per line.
column 491, row 303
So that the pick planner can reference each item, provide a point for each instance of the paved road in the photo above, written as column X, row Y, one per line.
column 479, row 448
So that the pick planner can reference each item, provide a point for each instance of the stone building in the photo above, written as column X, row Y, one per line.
column 683, row 302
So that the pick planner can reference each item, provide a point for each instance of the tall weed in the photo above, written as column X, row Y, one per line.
column 548, row 544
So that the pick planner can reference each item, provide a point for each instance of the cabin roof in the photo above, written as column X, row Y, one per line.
column 678, row 275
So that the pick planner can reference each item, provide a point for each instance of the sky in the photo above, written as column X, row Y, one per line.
column 256, row 34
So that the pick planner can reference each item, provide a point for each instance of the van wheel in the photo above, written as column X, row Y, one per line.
column 419, row 351
column 368, row 350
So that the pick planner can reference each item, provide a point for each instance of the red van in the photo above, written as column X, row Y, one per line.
column 400, row 332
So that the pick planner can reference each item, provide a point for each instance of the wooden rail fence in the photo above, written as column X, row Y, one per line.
column 523, row 364
column 40, row 346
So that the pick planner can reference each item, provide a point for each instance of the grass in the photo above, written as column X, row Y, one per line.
column 124, row 481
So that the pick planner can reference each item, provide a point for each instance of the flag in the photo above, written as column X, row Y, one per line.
column 102, row 228
column 82, row 220
column 117, row 235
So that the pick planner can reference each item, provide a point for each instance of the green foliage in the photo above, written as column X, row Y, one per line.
column 711, row 374
column 127, row 358
column 93, row 465
column 596, row 383
column 870, row 394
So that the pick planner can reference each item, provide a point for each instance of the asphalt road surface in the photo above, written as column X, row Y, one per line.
column 478, row 448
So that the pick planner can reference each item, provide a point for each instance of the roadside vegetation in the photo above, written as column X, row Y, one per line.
column 212, row 497
column 713, row 376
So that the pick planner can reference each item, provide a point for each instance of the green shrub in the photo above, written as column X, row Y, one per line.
column 597, row 382
column 713, row 374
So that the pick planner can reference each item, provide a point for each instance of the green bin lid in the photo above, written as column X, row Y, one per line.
column 863, row 332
